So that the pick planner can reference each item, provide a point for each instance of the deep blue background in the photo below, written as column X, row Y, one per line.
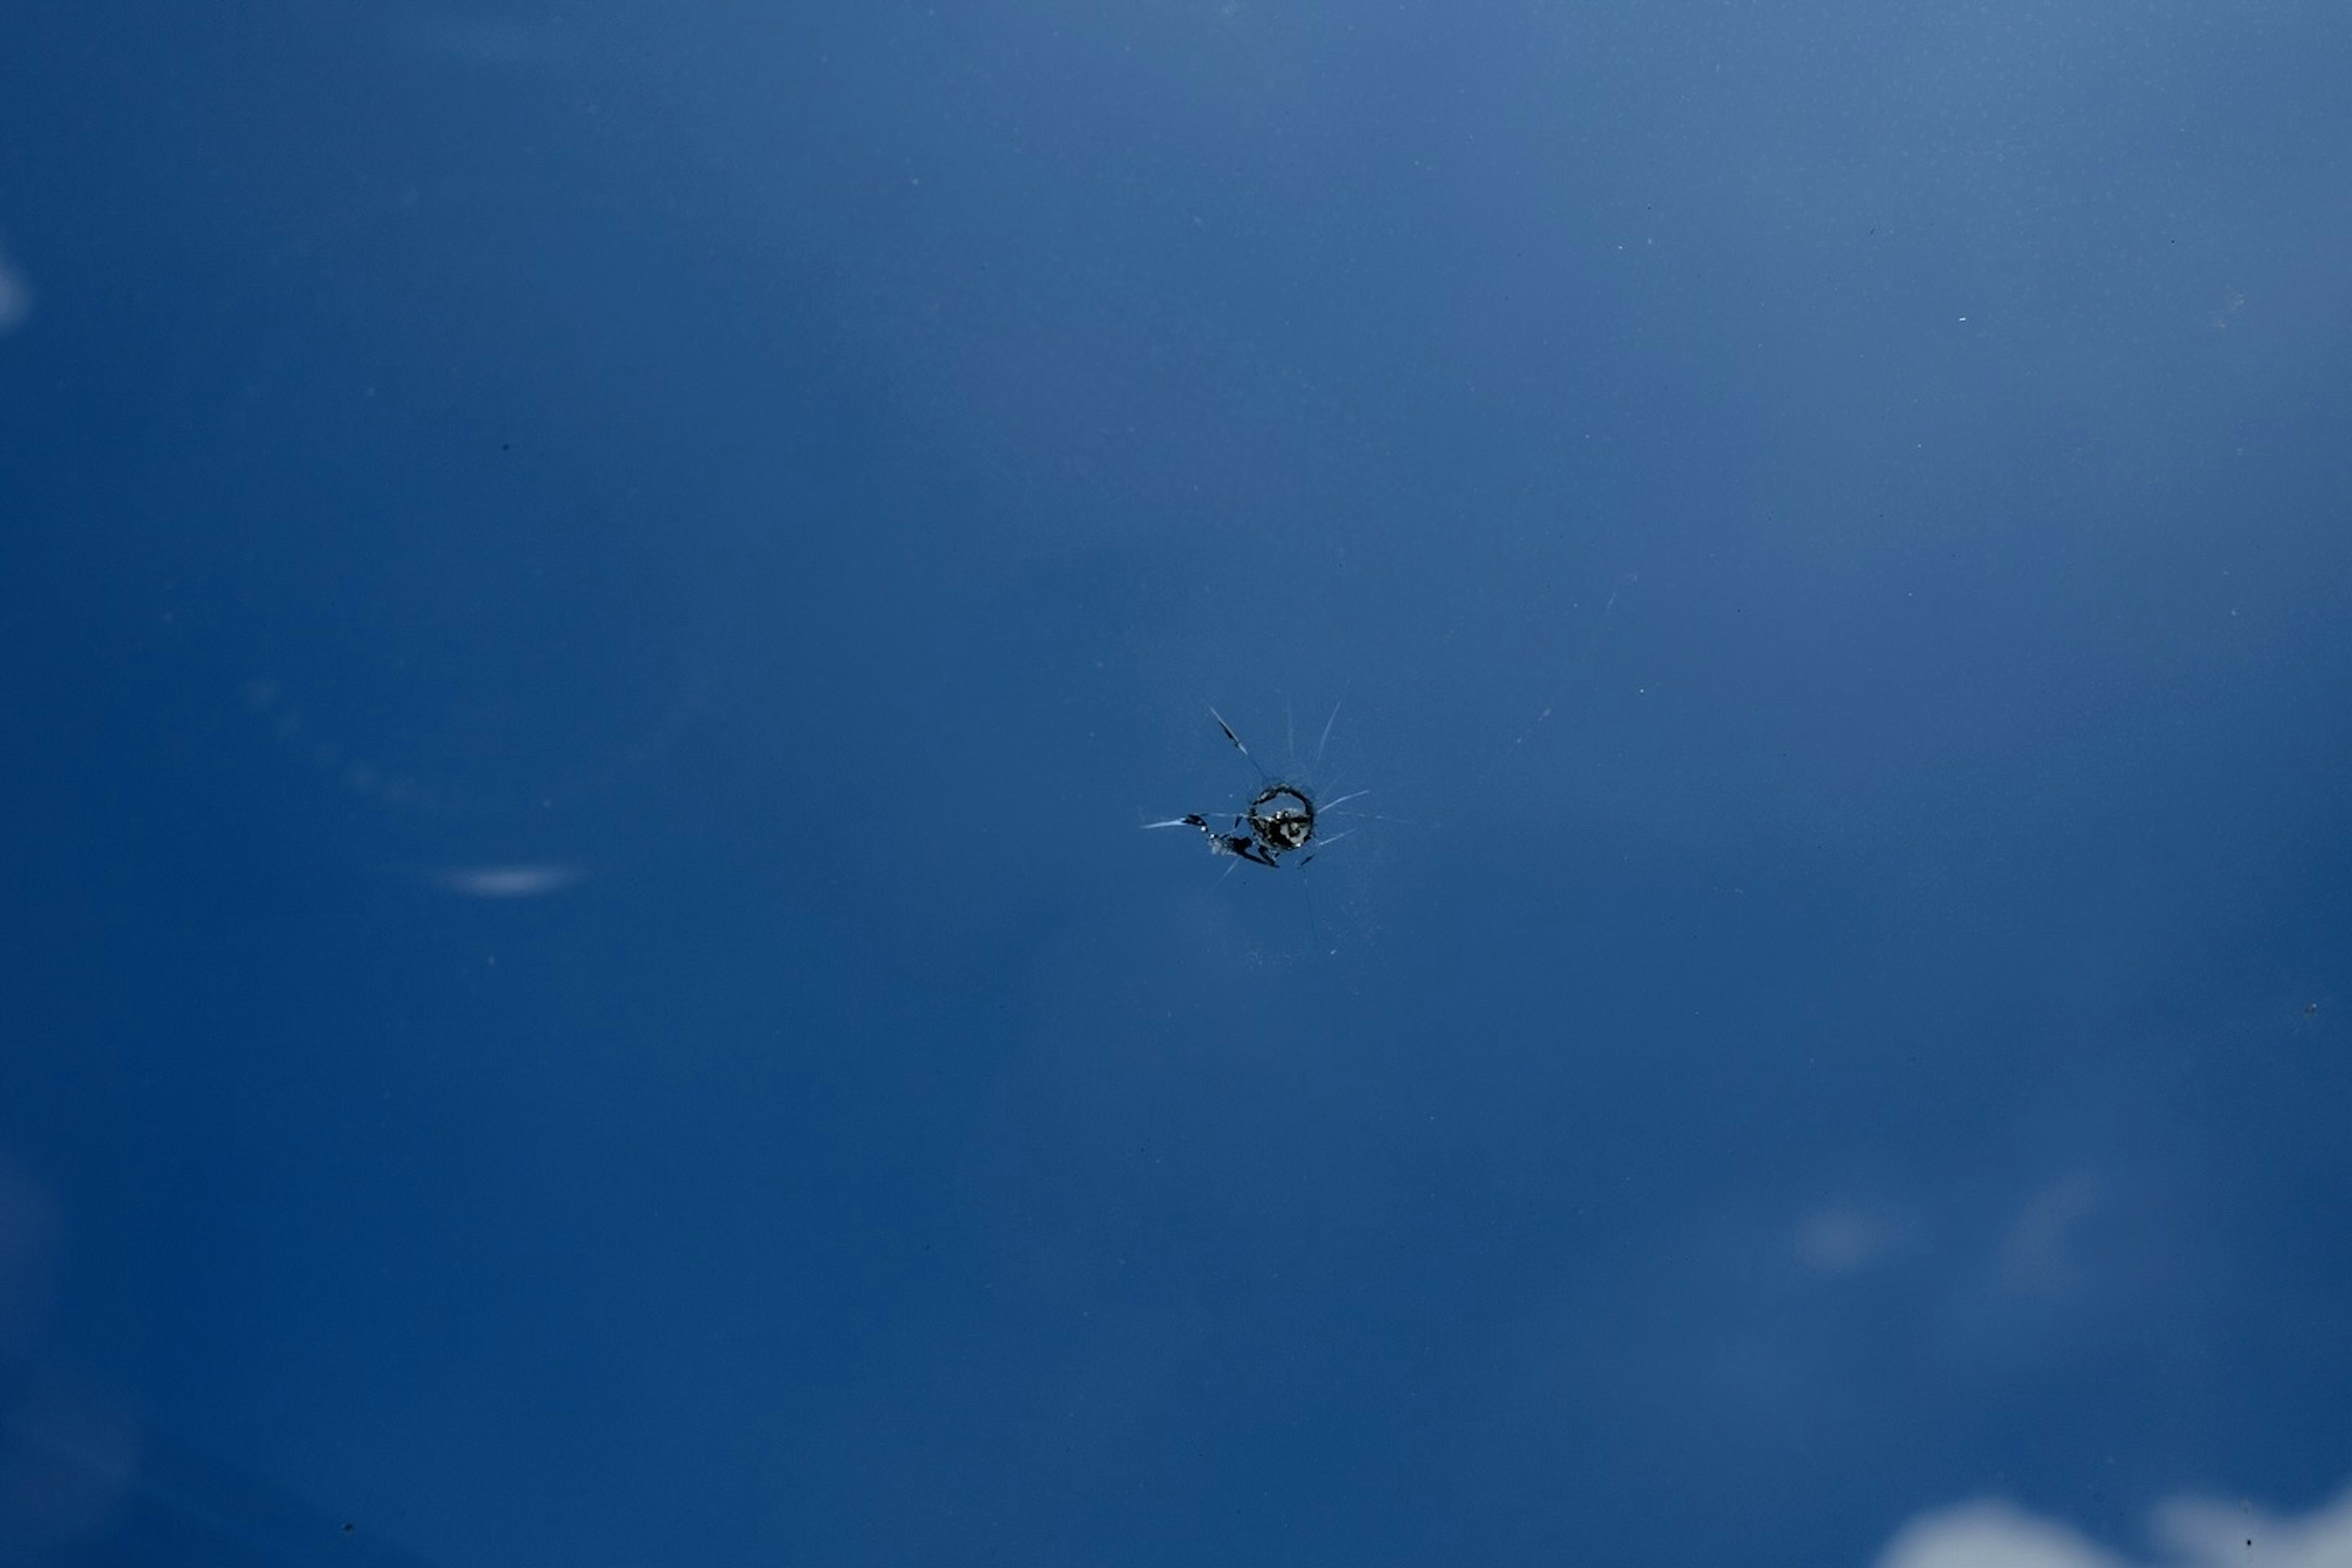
column 1828, row 530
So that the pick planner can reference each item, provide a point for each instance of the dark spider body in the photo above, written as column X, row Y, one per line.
column 1279, row 821
column 1268, row 830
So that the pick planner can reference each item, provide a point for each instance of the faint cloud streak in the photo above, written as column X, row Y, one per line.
column 505, row 881
column 15, row 295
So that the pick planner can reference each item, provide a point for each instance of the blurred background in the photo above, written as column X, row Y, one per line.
column 595, row 595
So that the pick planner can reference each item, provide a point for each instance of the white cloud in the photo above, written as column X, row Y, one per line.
column 2202, row 1532
column 1990, row 1535
column 2192, row 1533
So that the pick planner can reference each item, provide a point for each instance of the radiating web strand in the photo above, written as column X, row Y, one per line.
column 1576, row 669
column 1327, row 732
column 1236, row 739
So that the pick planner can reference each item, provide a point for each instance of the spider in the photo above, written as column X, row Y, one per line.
column 1280, row 820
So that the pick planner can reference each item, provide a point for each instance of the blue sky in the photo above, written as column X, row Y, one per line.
column 596, row 598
